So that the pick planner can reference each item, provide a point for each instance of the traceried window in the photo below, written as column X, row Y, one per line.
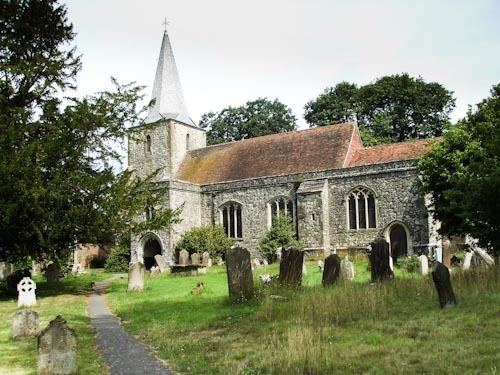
column 361, row 206
column 148, row 144
column 231, row 219
column 280, row 206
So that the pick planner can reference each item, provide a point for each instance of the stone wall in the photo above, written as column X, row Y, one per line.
column 179, row 143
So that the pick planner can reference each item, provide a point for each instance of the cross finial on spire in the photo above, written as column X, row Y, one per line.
column 165, row 23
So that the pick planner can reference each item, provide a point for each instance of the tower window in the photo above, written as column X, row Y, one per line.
column 188, row 146
column 148, row 144
column 361, row 209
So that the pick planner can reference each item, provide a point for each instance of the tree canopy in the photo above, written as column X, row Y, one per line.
column 462, row 175
column 58, row 186
column 255, row 118
column 391, row 109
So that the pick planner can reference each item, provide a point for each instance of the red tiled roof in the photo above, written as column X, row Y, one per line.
column 391, row 152
column 300, row 151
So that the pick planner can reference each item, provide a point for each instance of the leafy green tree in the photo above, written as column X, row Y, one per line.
column 211, row 238
column 280, row 234
column 462, row 175
column 392, row 109
column 58, row 186
column 254, row 119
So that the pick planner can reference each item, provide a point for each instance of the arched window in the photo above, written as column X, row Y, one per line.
column 231, row 219
column 280, row 206
column 361, row 206
column 148, row 144
column 187, row 142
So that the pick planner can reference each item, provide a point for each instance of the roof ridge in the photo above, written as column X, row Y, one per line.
column 399, row 143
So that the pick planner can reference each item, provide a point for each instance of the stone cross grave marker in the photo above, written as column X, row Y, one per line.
column 331, row 272
column 292, row 260
column 205, row 259
column 347, row 269
column 183, row 258
column 442, row 281
column 26, row 323
column 52, row 273
column 57, row 349
column 379, row 259
column 424, row 264
column 136, row 273
column 26, row 289
column 239, row 274
column 162, row 263
column 195, row 259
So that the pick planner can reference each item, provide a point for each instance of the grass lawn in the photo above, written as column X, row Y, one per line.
column 353, row 327
column 68, row 300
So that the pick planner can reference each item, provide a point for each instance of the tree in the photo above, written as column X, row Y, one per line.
column 462, row 175
column 392, row 109
column 58, row 186
column 280, row 234
column 254, row 119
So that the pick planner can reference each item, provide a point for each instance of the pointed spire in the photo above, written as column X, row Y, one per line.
column 167, row 89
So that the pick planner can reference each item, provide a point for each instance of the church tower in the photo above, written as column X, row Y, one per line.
column 168, row 132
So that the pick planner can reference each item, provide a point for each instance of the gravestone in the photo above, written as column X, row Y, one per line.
column 205, row 259
column 52, row 273
column 5, row 270
column 209, row 263
column 136, row 273
column 347, row 269
column 183, row 258
column 331, row 272
column 26, row 289
column 57, row 349
column 292, row 260
column 424, row 264
column 446, row 245
column 442, row 281
column 162, row 263
column 255, row 263
column 467, row 260
column 379, row 259
column 26, row 323
column 14, row 279
column 36, row 268
column 279, row 252
column 321, row 265
column 155, row 270
column 304, row 269
column 195, row 259
column 484, row 256
column 239, row 274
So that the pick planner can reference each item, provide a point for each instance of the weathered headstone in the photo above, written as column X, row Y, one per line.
column 162, row 263
column 379, row 259
column 256, row 263
column 467, row 260
column 5, row 270
column 183, row 258
column 321, row 265
column 210, row 262
column 52, row 273
column 347, row 269
column 446, row 245
column 442, row 281
column 205, row 259
column 279, row 252
column 331, row 272
column 195, row 259
column 155, row 270
column 484, row 256
column 424, row 264
column 136, row 273
column 57, row 349
column 239, row 274
column 36, row 268
column 304, row 268
column 26, row 289
column 292, row 260
column 26, row 323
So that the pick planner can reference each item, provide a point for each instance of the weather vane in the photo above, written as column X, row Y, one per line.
column 165, row 23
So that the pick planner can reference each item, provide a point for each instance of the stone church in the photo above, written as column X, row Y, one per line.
column 339, row 194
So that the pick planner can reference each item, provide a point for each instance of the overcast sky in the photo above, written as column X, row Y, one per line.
column 231, row 51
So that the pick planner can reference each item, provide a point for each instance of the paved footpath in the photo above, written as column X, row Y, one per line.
column 123, row 354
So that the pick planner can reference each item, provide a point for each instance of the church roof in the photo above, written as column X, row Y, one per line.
column 167, row 89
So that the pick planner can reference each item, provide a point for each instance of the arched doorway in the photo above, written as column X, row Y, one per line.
column 152, row 247
column 399, row 241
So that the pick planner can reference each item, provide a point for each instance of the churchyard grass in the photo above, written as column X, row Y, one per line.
column 353, row 327
column 69, row 300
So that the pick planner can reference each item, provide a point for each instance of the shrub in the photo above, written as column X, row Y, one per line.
column 411, row 263
column 279, row 235
column 118, row 259
column 211, row 238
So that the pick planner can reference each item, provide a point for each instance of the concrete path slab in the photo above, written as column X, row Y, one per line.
column 123, row 354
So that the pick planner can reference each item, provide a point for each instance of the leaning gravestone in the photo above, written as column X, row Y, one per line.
column 379, row 259
column 52, row 273
column 331, row 272
column 57, row 349
column 136, row 273
column 26, row 323
column 239, row 274
column 467, row 260
column 183, row 258
column 424, row 264
column 5, row 270
column 26, row 289
column 292, row 260
column 162, row 263
column 205, row 259
column 484, row 256
column 347, row 269
column 442, row 281
column 195, row 259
